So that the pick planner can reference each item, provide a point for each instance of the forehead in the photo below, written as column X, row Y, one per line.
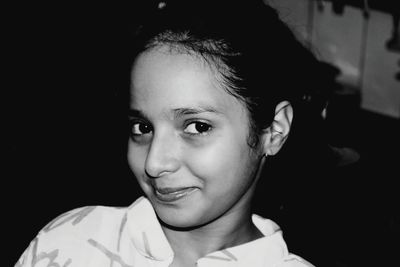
column 165, row 78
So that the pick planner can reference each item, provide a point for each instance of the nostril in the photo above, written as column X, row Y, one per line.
column 150, row 175
column 161, row 157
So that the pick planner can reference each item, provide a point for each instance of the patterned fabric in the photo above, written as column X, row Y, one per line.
column 99, row 236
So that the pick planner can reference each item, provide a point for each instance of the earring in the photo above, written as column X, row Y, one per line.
column 275, row 133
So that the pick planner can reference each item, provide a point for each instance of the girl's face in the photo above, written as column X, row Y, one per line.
column 188, row 146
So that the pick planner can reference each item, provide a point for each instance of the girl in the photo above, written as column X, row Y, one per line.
column 210, row 102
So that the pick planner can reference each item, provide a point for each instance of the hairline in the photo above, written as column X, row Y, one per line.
column 221, row 73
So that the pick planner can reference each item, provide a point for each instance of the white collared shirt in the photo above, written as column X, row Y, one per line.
column 98, row 236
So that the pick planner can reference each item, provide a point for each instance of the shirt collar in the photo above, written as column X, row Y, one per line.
column 146, row 232
column 149, row 239
column 265, row 251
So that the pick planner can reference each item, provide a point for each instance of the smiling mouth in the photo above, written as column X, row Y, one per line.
column 173, row 194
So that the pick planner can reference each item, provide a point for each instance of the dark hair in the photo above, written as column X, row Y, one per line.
column 261, row 63
column 257, row 57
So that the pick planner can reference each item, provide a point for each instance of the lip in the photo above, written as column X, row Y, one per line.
column 172, row 194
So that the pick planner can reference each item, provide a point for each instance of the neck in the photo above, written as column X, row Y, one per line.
column 233, row 228
column 230, row 230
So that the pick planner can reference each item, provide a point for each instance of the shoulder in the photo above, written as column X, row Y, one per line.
column 88, row 219
column 76, row 227
column 276, row 245
column 69, row 234
column 292, row 260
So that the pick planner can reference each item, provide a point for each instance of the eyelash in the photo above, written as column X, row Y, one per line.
column 136, row 125
column 199, row 132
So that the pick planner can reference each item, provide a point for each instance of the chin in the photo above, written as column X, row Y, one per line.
column 179, row 219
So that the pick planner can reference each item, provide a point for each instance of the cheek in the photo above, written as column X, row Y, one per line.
column 220, row 163
column 136, row 157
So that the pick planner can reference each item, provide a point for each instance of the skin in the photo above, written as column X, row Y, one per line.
column 189, row 132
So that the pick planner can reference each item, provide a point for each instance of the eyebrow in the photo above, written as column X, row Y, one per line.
column 178, row 112
column 136, row 113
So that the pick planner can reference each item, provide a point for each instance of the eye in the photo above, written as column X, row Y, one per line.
column 140, row 128
column 197, row 127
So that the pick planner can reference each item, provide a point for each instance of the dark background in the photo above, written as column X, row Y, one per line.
column 65, row 127
column 64, row 120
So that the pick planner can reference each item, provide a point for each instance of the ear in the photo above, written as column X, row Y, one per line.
column 277, row 133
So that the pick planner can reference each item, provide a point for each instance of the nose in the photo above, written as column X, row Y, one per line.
column 162, row 157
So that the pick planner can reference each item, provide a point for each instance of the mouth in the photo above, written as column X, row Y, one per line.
column 171, row 194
